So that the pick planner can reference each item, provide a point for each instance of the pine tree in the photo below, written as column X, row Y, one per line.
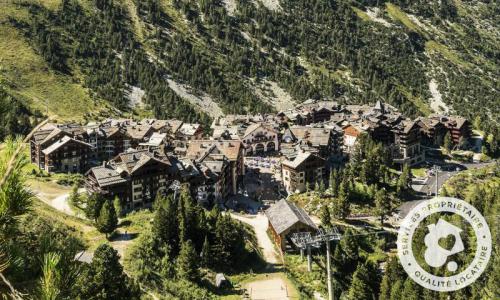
column 118, row 206
column 397, row 290
column 326, row 220
column 403, row 186
column 94, row 205
column 360, row 288
column 448, row 143
column 410, row 290
column 187, row 267
column 383, row 204
column 104, row 278
column 206, row 254
column 49, row 283
column 107, row 220
column 165, row 226
column 333, row 184
column 74, row 196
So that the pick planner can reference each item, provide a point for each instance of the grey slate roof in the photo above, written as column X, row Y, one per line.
column 106, row 175
column 285, row 214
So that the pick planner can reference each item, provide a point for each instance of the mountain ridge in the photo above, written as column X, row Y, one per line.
column 421, row 57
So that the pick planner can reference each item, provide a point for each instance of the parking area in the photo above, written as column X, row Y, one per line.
column 261, row 185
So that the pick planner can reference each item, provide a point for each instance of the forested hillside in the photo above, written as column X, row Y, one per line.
column 251, row 56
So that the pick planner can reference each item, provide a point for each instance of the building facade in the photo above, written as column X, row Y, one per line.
column 305, row 170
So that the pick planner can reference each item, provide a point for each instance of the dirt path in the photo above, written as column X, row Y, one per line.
column 274, row 288
column 259, row 224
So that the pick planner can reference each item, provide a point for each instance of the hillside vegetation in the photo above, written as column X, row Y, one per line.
column 83, row 57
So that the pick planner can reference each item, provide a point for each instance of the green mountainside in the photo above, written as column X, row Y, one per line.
column 196, row 59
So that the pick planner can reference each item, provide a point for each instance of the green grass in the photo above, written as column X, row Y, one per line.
column 397, row 14
column 447, row 53
column 422, row 106
column 361, row 14
column 418, row 172
column 25, row 74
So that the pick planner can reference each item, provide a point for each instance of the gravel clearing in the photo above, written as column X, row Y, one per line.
column 437, row 103
column 204, row 102
column 271, row 93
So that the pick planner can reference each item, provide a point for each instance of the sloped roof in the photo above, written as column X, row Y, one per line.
column 284, row 214
column 256, row 126
column 133, row 160
column 63, row 141
column 139, row 132
column 299, row 159
column 189, row 128
column 106, row 176
column 229, row 148
column 314, row 135
column 174, row 125
column 288, row 136
column 155, row 140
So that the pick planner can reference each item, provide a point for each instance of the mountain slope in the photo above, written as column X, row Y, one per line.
column 421, row 56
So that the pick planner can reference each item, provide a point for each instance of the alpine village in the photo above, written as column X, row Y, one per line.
column 234, row 149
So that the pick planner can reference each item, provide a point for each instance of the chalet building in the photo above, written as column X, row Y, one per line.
column 137, row 134
column 217, row 176
column 351, row 134
column 407, row 148
column 57, row 148
column 305, row 170
column 189, row 132
column 260, row 138
column 328, row 142
column 157, row 142
column 432, row 131
column 108, row 141
column 459, row 128
column 233, row 150
column 135, row 177
column 296, row 117
column 286, row 218
column 67, row 155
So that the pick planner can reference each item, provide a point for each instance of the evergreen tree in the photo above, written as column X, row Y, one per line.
column 397, row 290
column 410, row 290
column 383, row 204
column 341, row 207
column 107, row 220
column 326, row 220
column 165, row 226
column 403, row 186
column 74, row 196
column 385, row 288
column 94, row 205
column 117, row 204
column 104, row 279
column 360, row 288
column 187, row 267
column 206, row 254
column 51, row 276
column 333, row 182
column 448, row 143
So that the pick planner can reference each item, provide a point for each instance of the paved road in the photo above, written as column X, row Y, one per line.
column 429, row 186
